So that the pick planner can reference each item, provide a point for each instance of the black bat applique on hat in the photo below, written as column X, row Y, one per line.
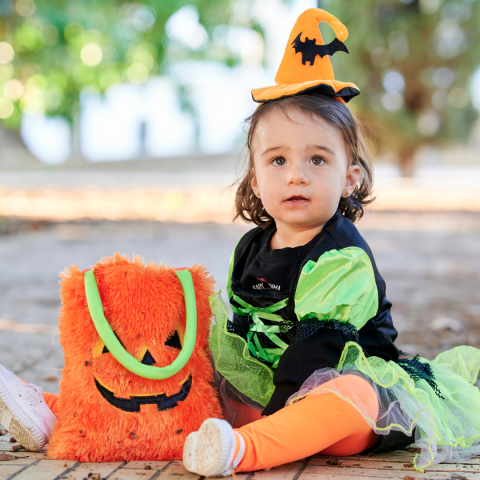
column 309, row 48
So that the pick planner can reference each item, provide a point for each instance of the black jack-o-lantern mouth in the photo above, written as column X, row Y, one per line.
column 132, row 404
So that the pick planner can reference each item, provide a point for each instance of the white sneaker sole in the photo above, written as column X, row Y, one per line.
column 18, row 424
column 207, row 451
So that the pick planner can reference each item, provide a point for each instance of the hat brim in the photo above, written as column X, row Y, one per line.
column 335, row 88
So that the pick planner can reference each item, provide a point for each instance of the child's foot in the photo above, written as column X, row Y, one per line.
column 23, row 411
column 216, row 449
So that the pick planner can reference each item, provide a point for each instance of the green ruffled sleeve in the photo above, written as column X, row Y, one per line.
column 339, row 286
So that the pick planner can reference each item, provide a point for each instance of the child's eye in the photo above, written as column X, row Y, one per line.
column 279, row 161
column 317, row 161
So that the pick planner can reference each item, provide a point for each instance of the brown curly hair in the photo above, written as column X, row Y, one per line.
column 250, row 208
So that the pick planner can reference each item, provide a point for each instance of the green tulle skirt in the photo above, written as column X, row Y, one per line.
column 443, row 415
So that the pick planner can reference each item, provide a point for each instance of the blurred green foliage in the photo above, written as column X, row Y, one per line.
column 63, row 47
column 413, row 61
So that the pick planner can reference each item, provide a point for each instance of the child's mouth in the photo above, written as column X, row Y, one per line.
column 296, row 200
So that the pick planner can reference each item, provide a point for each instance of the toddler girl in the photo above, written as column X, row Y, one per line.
column 311, row 344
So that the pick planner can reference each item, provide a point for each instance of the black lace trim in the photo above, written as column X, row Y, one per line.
column 305, row 328
column 420, row 371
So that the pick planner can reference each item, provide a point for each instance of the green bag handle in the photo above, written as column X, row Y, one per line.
column 111, row 341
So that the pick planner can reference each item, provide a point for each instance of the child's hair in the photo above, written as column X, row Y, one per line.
column 250, row 208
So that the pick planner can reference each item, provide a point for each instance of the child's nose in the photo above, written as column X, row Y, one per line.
column 297, row 176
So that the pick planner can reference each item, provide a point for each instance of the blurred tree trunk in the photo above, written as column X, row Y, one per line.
column 406, row 161
column 76, row 155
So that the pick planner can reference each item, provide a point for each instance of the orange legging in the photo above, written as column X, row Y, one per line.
column 51, row 399
column 322, row 422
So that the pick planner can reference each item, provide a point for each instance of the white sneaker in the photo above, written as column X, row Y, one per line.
column 23, row 412
column 210, row 451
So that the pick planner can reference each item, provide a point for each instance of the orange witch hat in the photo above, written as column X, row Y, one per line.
column 305, row 65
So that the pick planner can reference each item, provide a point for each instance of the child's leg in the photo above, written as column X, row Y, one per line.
column 243, row 414
column 235, row 411
column 320, row 423
column 51, row 399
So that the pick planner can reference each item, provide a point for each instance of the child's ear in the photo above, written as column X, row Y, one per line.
column 353, row 176
column 254, row 182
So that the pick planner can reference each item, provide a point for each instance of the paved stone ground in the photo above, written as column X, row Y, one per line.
column 393, row 465
column 430, row 262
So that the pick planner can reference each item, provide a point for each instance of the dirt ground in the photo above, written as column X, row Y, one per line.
column 430, row 261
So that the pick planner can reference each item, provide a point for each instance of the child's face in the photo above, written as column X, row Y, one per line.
column 301, row 169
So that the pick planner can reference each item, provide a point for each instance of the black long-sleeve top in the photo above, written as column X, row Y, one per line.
column 262, row 277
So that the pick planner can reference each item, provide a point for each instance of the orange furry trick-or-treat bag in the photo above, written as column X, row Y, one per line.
column 137, row 376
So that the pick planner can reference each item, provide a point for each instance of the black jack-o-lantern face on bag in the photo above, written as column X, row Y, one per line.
column 137, row 376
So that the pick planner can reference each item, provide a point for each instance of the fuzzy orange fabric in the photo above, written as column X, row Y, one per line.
column 143, row 304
